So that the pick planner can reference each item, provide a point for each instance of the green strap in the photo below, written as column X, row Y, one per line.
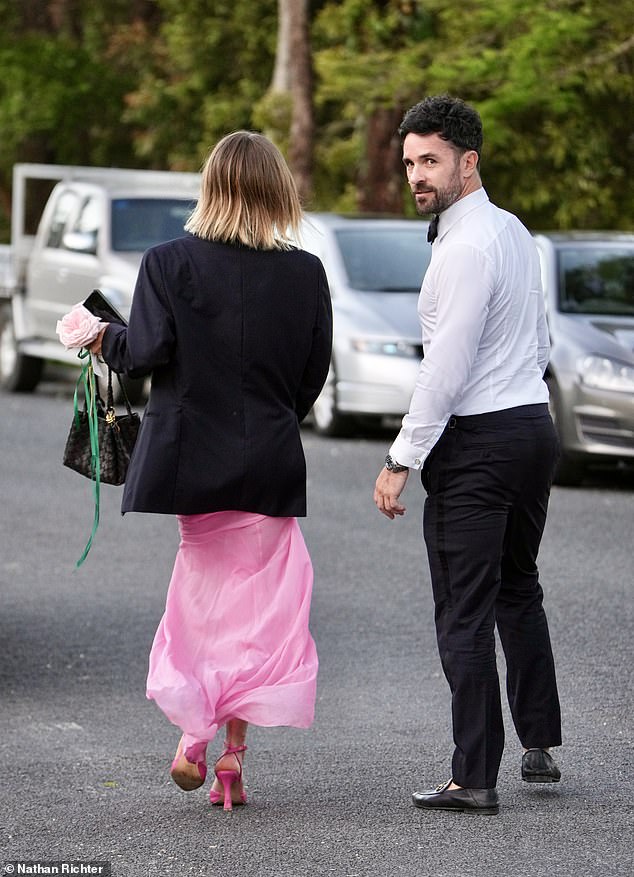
column 87, row 378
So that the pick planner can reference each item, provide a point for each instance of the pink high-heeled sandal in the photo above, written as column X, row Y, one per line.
column 189, row 769
column 229, row 778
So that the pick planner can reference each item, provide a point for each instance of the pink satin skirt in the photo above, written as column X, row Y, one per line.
column 234, row 641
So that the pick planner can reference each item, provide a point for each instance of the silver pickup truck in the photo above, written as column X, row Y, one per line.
column 93, row 230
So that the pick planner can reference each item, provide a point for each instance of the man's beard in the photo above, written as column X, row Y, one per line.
column 443, row 198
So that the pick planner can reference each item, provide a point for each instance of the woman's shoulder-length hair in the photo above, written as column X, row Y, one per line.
column 248, row 195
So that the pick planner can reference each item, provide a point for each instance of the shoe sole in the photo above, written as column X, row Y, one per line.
column 185, row 781
column 220, row 802
column 468, row 811
column 541, row 778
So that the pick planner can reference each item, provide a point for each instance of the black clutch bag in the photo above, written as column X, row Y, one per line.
column 99, row 305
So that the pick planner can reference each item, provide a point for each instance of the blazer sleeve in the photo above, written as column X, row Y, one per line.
column 318, row 363
column 149, row 338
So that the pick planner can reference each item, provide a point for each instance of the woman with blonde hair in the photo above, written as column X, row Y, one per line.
column 234, row 324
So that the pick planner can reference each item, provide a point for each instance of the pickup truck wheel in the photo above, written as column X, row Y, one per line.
column 327, row 419
column 18, row 373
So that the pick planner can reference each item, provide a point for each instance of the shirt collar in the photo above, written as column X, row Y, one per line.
column 460, row 209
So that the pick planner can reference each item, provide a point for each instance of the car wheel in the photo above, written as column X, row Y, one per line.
column 327, row 419
column 18, row 373
column 570, row 469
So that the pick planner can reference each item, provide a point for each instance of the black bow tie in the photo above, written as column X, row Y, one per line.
column 432, row 231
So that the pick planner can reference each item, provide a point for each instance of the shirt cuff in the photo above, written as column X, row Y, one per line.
column 407, row 455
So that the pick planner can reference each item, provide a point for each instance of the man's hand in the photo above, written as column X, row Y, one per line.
column 387, row 491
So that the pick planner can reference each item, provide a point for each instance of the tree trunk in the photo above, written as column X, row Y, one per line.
column 282, row 70
column 303, row 118
column 293, row 75
column 380, row 186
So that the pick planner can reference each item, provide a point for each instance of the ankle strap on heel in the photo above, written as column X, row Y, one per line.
column 232, row 750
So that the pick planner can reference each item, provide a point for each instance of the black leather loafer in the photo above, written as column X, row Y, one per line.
column 482, row 802
column 538, row 766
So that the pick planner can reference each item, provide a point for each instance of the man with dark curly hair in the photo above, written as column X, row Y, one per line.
column 479, row 430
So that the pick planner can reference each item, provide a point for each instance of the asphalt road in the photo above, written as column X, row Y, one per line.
column 85, row 756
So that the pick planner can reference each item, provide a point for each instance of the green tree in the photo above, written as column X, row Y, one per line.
column 553, row 81
column 555, row 87
column 65, row 71
column 155, row 83
column 368, row 56
column 212, row 62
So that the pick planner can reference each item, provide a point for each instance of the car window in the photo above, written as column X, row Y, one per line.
column 87, row 223
column 66, row 205
column 596, row 280
column 384, row 259
column 139, row 223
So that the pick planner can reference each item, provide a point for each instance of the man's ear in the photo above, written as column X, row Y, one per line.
column 470, row 162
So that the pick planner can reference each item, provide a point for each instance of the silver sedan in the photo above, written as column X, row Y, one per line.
column 375, row 268
column 589, row 286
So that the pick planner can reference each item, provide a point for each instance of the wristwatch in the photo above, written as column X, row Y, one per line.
column 392, row 466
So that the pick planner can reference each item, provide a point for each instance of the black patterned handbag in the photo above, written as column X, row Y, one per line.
column 100, row 441
column 106, row 459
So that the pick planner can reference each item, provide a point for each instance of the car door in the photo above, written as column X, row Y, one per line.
column 47, row 265
column 81, row 243
column 64, row 266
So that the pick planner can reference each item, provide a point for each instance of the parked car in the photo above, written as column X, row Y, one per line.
column 589, row 286
column 375, row 268
column 91, row 233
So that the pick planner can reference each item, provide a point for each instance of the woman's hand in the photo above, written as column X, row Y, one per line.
column 95, row 346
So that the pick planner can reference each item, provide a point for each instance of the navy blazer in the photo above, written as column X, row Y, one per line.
column 238, row 343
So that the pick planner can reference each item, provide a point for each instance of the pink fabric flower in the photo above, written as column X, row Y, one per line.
column 78, row 327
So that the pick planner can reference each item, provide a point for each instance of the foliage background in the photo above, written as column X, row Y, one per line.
column 155, row 83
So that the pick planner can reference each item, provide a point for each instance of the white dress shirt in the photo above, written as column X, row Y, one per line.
column 484, row 330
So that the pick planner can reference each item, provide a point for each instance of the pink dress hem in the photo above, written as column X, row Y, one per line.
column 234, row 640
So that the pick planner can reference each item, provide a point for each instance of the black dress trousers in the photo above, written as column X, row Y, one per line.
column 488, row 482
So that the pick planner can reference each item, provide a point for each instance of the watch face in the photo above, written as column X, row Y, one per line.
column 392, row 466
